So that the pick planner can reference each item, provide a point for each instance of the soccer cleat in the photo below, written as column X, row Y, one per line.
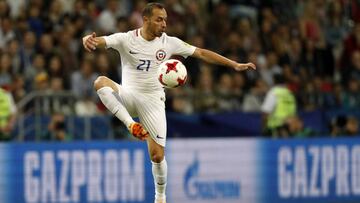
column 138, row 131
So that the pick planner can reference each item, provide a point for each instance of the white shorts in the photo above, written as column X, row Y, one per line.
column 150, row 108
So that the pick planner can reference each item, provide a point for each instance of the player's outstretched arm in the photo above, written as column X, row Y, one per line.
column 214, row 58
column 91, row 42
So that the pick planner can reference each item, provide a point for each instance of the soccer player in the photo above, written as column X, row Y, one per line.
column 141, row 94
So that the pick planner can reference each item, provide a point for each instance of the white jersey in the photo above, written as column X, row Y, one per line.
column 140, row 59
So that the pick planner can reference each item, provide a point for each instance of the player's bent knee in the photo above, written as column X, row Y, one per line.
column 157, row 158
column 100, row 82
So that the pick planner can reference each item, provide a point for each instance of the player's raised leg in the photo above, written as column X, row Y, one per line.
column 109, row 95
column 159, row 169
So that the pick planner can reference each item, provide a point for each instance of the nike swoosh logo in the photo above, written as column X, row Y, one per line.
column 157, row 136
column 132, row 52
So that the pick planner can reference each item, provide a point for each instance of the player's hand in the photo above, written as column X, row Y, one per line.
column 244, row 66
column 90, row 42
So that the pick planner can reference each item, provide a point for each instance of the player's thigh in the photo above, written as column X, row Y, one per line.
column 152, row 116
column 126, row 99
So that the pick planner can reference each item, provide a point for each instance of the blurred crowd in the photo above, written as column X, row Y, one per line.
column 313, row 44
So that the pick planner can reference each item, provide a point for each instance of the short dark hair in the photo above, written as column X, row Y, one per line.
column 147, row 11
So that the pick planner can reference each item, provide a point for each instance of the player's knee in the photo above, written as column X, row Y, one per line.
column 157, row 157
column 100, row 82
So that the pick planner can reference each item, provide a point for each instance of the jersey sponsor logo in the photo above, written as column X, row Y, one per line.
column 160, row 55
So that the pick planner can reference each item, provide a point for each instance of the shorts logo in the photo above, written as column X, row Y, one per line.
column 160, row 55
column 157, row 136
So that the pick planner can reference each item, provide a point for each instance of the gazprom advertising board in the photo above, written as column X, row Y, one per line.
column 215, row 170
column 200, row 170
column 75, row 172
column 315, row 170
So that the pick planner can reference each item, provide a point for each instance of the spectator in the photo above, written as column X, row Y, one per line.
column 107, row 18
column 195, row 18
column 57, row 102
column 225, row 94
column 16, row 7
column 310, row 28
column 56, row 69
column 105, row 68
column 4, row 9
column 135, row 18
column 245, row 30
column 270, row 69
column 38, row 66
column 14, row 52
column 344, row 126
column 219, row 24
column 351, row 97
column 295, row 128
column 122, row 24
column 279, row 104
column 350, row 44
column 239, row 87
column 27, row 50
column 205, row 99
column 56, row 130
column 267, row 24
column 234, row 45
column 7, row 114
column 255, row 97
column 6, row 32
column 336, row 26
column 67, row 5
column 83, row 79
column 46, row 46
column 352, row 126
column 18, row 88
column 5, row 68
column 355, row 65
column 86, row 106
column 180, row 100
column 54, row 16
column 41, row 81
column 67, row 49
column 34, row 20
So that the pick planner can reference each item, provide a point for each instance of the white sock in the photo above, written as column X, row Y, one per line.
column 159, row 171
column 108, row 98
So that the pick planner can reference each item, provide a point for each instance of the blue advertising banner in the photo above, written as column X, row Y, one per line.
column 312, row 170
column 220, row 170
column 264, row 171
column 76, row 172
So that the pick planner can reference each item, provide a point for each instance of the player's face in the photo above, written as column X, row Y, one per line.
column 157, row 22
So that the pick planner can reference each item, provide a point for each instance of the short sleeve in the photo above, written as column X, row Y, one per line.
column 115, row 40
column 269, row 103
column 180, row 47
